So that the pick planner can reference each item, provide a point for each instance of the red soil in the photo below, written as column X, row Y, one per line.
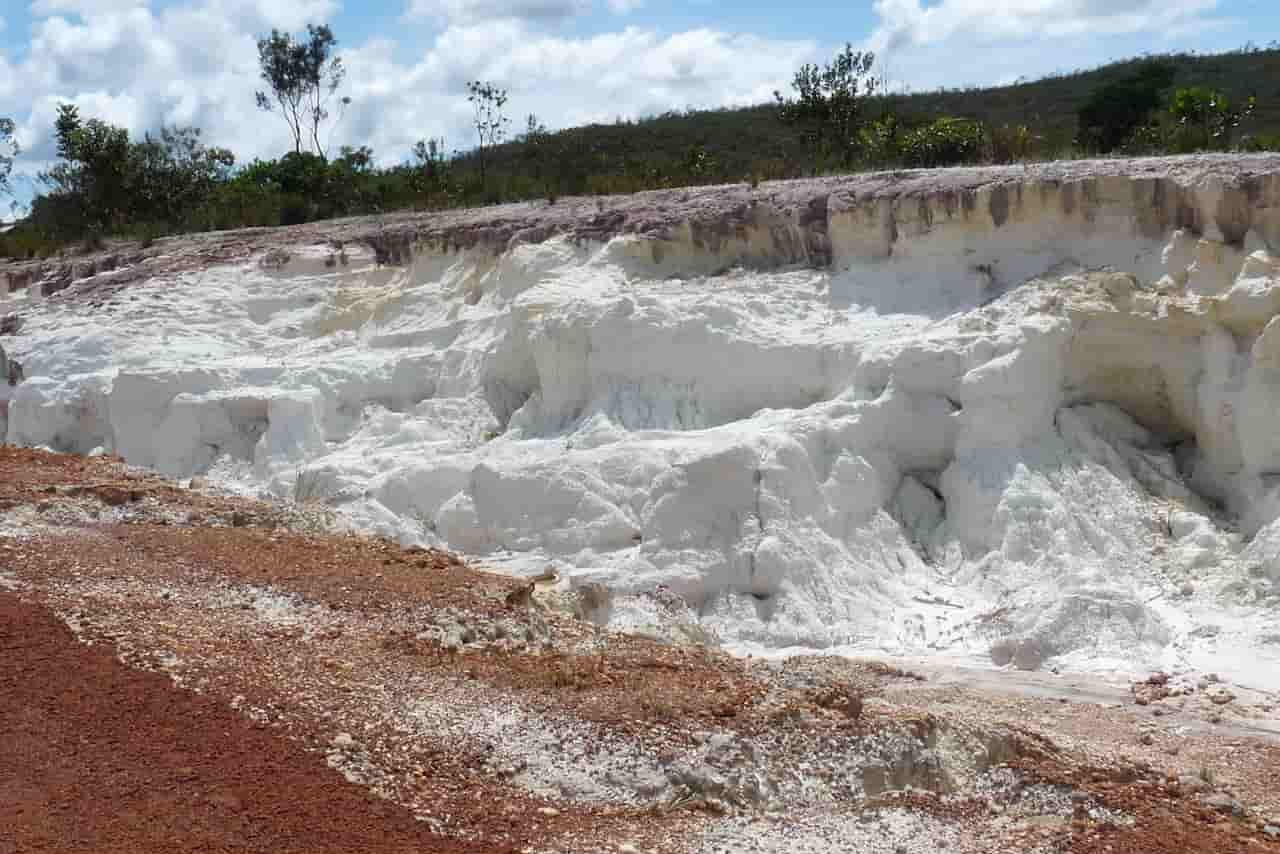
column 99, row 757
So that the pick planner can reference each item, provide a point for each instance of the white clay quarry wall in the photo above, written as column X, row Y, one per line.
column 1020, row 422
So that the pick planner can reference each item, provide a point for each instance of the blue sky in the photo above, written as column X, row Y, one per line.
column 139, row 63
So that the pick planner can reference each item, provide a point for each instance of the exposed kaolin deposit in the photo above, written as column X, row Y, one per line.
column 1026, row 414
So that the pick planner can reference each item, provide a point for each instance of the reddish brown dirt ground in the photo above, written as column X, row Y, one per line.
column 99, row 757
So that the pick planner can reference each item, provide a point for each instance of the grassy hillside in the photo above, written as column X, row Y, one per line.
column 753, row 141
column 1049, row 105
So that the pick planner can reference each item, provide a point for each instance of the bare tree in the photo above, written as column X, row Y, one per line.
column 487, row 100
column 303, row 77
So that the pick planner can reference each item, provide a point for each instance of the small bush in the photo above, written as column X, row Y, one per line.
column 1114, row 111
column 880, row 141
column 1011, row 144
column 26, row 243
column 1147, row 139
column 945, row 142
column 93, row 243
column 1260, row 142
column 295, row 210
column 1206, row 119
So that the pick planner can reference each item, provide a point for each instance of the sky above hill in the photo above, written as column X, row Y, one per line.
column 140, row 63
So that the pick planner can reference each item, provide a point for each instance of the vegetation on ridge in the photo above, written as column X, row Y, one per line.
column 840, row 116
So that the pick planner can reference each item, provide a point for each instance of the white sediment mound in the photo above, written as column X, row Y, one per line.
column 1030, row 415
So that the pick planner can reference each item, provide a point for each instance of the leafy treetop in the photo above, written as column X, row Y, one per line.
column 302, row 77
column 829, row 102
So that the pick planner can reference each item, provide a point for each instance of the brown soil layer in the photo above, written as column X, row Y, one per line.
column 99, row 757
column 712, row 214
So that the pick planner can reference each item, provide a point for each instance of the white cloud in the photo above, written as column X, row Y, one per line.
column 8, row 83
column 82, row 7
column 565, row 81
column 467, row 11
column 911, row 22
column 1004, row 40
column 132, row 65
column 256, row 15
column 489, row 11
column 196, row 63
column 278, row 13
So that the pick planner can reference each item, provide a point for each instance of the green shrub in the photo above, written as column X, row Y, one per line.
column 295, row 209
column 945, row 142
column 25, row 242
column 1114, row 111
column 1011, row 144
column 1260, row 142
column 1205, row 119
column 880, row 142
column 829, row 104
column 1147, row 139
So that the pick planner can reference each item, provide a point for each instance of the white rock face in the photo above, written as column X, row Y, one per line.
column 1013, row 422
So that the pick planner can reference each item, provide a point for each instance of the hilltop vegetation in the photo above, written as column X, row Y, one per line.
column 838, row 117
column 739, row 143
column 1050, row 104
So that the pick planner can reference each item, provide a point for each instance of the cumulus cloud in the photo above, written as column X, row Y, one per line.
column 141, row 65
column 565, row 81
column 1004, row 40
column 279, row 13
column 82, row 7
column 127, row 65
column 912, row 22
